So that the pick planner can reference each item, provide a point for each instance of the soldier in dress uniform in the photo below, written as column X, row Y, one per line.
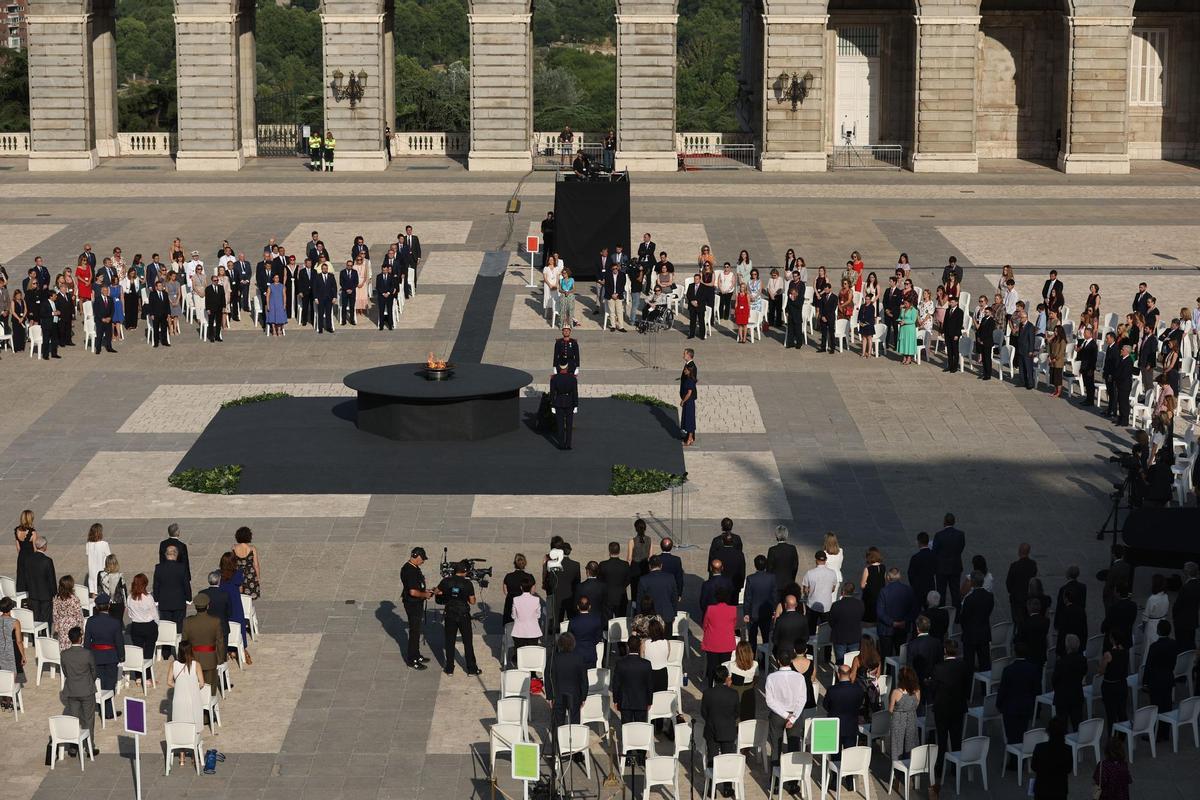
column 566, row 349
column 564, row 402
column 206, row 635
column 104, row 638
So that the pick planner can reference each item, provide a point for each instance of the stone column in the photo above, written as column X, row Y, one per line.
column 944, row 136
column 61, row 107
column 501, row 86
column 352, row 41
column 1096, row 135
column 389, row 63
column 793, row 140
column 104, row 76
column 248, row 85
column 208, row 78
column 646, row 43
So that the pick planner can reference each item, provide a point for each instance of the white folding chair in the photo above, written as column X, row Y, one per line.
column 1024, row 751
column 893, row 663
column 29, row 628
column 1144, row 723
column 224, row 684
column 8, row 588
column 514, row 710
column 208, row 702
column 919, row 762
column 636, row 737
column 233, row 643
column 985, row 713
column 726, row 768
column 973, row 754
column 65, row 730
column 514, row 683
column 598, row 680
column 168, row 636
column 250, row 615
column 531, row 659
column 574, row 739
column 794, row 766
column 501, row 738
column 1088, row 735
column 595, row 710
column 991, row 677
column 48, row 655
column 662, row 706
column 879, row 728
column 1185, row 662
column 855, row 763
column 85, row 600
column 661, row 771
column 12, row 690
column 182, row 736
column 1186, row 714
column 841, row 335
column 34, row 335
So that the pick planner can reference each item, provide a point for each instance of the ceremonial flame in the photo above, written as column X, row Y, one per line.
column 435, row 363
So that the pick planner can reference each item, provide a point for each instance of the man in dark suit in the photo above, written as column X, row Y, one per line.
column 985, row 341
column 568, row 681
column 90, row 257
column 566, row 350
column 939, row 618
column 951, row 691
column 734, row 563
column 844, row 700
column 564, row 403
column 632, row 684
column 1186, row 612
column 1158, row 675
column 1033, row 631
column 646, row 250
column 347, row 286
column 65, row 306
column 1072, row 582
column 759, row 602
column 922, row 569
column 172, row 587
column 304, row 296
column 158, row 308
column 102, row 635
column 1070, row 671
column 826, row 309
column 1147, row 358
column 1123, row 372
column 549, row 237
column 385, row 296
column 1120, row 571
column 1087, row 351
column 563, row 583
column 672, row 565
column 791, row 627
column 1020, row 684
column 1020, row 572
column 1070, row 617
column 794, row 308
column 594, row 590
column 47, row 313
column 1027, row 350
column 724, row 538
column 694, row 299
column 174, row 540
column 783, row 560
column 719, row 711
column 1051, row 283
column 588, row 629
column 1109, row 373
column 952, row 268
column 262, row 279
column 948, row 545
column 243, row 273
column 79, row 685
column 42, row 272
column 218, row 600
column 612, row 294
column 614, row 573
column 310, row 248
column 102, row 314
column 411, row 250
column 41, row 582
column 1141, row 300
column 324, row 291
column 845, row 622
column 952, row 328
column 892, row 297
column 660, row 588
column 924, row 654
column 895, row 610
column 214, row 309
column 1121, row 616
column 717, row 580
column 975, row 620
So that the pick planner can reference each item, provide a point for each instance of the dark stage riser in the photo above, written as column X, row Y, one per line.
column 590, row 215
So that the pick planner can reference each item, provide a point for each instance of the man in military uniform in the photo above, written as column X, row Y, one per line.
column 330, row 143
column 564, row 403
column 103, row 637
column 205, row 633
column 314, row 151
column 413, row 598
column 457, row 595
column 566, row 349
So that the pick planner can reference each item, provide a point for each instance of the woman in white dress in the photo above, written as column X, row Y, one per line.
column 925, row 314
column 97, row 551
column 834, row 556
column 186, row 678
column 1157, row 606
column 551, row 278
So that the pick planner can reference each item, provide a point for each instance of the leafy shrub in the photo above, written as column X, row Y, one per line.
column 254, row 398
column 217, row 480
column 631, row 480
column 642, row 398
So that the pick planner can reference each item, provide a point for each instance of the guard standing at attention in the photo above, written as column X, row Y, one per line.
column 566, row 349
column 412, row 581
column 314, row 151
column 457, row 595
column 330, row 143
column 564, row 403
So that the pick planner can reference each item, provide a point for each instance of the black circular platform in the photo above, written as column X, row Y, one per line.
column 477, row 402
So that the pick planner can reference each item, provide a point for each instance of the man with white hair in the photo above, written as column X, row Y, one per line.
column 42, row 583
column 939, row 618
column 172, row 587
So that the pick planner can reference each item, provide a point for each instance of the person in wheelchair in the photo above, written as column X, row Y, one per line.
column 656, row 315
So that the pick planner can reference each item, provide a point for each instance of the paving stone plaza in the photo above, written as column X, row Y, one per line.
column 866, row 448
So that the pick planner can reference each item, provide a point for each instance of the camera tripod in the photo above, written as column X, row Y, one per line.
column 1112, row 523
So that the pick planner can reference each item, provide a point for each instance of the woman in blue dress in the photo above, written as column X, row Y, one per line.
column 687, row 403
column 276, row 311
column 231, row 585
column 118, row 314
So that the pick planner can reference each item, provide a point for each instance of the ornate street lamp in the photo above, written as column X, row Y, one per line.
column 794, row 88
column 354, row 90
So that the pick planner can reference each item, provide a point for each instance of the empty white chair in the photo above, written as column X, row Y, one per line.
column 29, row 628
column 1144, row 723
column 211, row 707
column 103, row 696
column 168, row 636
column 841, row 334
column 661, row 771
column 855, row 763
column 662, row 706
column 502, row 736
column 1002, row 640
column 880, row 727
column 65, row 730
column 727, row 768
column 514, row 683
column 793, row 766
column 34, row 335
column 1184, row 664
column 973, row 754
column 893, row 663
column 598, row 680
column 675, row 652
column 849, row 657
column 12, row 690
column 531, row 659
column 233, row 643
column 985, row 713
column 224, row 685
column 85, row 600
column 752, row 735
column 48, row 655
column 251, row 615
column 919, row 762
column 574, row 739
column 990, row 677
column 8, row 588
column 1023, row 751
column 182, row 736
column 595, row 709
column 514, row 709
column 1186, row 714
column 1088, row 735
column 636, row 737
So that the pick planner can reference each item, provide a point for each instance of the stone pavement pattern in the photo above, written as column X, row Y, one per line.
column 869, row 449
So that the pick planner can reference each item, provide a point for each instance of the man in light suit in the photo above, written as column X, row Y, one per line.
column 324, row 290
column 79, row 686
column 613, row 291
column 1026, row 350
column 621, row 259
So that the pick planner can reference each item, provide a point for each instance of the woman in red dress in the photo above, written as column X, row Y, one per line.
column 741, row 312
column 856, row 264
column 83, row 281
column 845, row 301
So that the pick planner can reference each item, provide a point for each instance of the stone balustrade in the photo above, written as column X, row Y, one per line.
column 698, row 142
column 407, row 144
column 14, row 144
column 144, row 144
column 544, row 140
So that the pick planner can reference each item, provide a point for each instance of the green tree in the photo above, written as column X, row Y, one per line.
column 709, row 57
column 433, row 31
column 432, row 99
column 14, row 90
column 576, row 88
column 577, row 21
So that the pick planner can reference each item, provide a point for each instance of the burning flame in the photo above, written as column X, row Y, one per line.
column 435, row 363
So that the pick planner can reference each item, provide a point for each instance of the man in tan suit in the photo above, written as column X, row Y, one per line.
column 203, row 631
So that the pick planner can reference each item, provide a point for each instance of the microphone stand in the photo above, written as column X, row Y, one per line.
column 692, row 760
column 552, row 792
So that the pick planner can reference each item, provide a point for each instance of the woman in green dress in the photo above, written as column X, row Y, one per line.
column 907, row 346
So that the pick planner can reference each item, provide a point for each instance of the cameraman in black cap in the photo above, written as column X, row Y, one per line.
column 457, row 594
column 414, row 597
